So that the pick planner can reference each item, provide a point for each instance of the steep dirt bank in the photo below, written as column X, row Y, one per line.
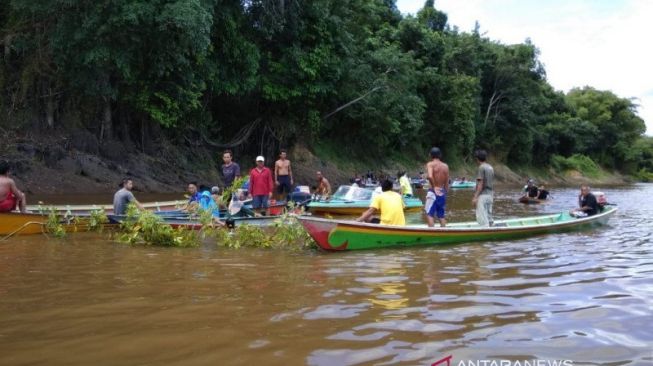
column 79, row 164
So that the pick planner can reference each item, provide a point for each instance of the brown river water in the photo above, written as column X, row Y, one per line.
column 582, row 298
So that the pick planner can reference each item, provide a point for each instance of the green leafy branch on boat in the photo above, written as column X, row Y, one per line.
column 145, row 228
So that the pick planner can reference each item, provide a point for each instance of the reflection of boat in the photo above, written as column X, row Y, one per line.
column 350, row 235
column 33, row 223
column 530, row 200
column 350, row 200
column 462, row 184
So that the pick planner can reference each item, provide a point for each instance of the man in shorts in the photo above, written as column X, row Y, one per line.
column 437, row 173
column 283, row 175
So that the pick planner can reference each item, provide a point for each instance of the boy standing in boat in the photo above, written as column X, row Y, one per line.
column 10, row 196
column 389, row 203
column 283, row 175
column 437, row 173
column 483, row 196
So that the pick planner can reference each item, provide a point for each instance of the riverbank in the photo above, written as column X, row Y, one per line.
column 80, row 165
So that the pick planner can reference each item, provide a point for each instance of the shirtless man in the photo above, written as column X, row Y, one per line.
column 437, row 173
column 283, row 174
column 10, row 196
column 323, row 187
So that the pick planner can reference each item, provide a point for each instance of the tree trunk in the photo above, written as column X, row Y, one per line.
column 106, row 130
column 49, row 110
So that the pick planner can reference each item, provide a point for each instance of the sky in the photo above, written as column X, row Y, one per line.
column 604, row 44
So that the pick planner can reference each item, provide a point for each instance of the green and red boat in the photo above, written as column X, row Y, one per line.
column 336, row 235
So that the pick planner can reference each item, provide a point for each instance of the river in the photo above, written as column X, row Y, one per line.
column 585, row 297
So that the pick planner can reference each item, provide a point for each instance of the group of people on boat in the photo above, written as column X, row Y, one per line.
column 259, row 188
column 390, row 205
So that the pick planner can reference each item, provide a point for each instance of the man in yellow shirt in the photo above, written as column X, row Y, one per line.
column 389, row 204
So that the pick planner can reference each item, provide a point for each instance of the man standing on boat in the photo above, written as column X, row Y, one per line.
column 10, row 196
column 389, row 204
column 483, row 196
column 283, row 175
column 230, row 169
column 437, row 173
column 124, row 197
column 260, row 185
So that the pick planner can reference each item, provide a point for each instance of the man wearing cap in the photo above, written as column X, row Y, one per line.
column 260, row 185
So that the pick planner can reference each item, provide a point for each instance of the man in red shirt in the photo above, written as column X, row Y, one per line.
column 260, row 185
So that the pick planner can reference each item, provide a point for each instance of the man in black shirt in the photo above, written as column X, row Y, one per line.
column 230, row 169
column 587, row 201
column 542, row 193
column 530, row 190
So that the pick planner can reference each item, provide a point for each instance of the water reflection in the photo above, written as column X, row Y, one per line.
column 585, row 296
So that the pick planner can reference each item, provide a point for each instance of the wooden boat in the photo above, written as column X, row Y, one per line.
column 108, row 208
column 530, row 200
column 459, row 184
column 33, row 223
column 350, row 200
column 351, row 235
column 192, row 223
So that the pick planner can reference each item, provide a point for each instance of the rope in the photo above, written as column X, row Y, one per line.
column 20, row 229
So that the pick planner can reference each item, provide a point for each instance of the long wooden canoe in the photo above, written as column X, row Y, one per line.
column 351, row 235
column 530, row 200
column 191, row 223
column 108, row 208
column 33, row 223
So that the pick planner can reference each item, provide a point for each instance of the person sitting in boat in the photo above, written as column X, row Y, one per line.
column 193, row 198
column 10, row 196
column 405, row 188
column 542, row 193
column 323, row 188
column 124, row 196
column 531, row 190
column 389, row 204
column 587, row 203
column 207, row 203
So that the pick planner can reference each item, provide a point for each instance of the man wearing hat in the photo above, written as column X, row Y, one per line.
column 260, row 185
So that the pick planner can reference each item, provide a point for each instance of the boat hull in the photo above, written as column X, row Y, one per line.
column 30, row 223
column 462, row 185
column 336, row 235
column 107, row 208
column 530, row 200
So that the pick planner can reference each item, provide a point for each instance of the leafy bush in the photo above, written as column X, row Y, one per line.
column 579, row 162
column 146, row 228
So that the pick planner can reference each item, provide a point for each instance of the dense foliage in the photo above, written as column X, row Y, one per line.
column 254, row 75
